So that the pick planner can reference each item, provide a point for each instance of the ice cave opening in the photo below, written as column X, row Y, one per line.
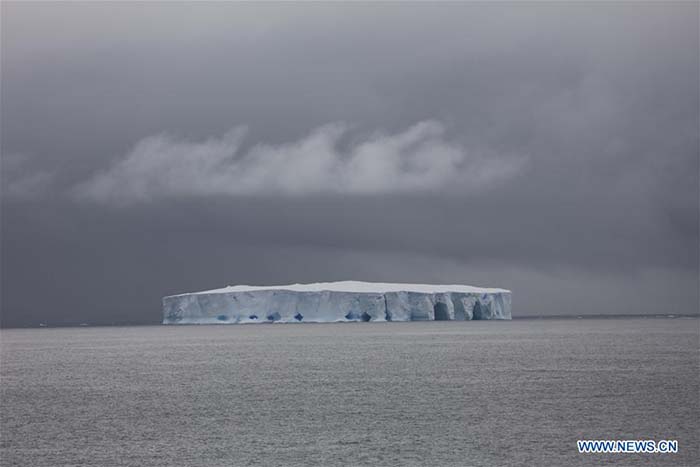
column 441, row 313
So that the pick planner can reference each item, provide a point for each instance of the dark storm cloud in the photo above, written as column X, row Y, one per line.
column 559, row 143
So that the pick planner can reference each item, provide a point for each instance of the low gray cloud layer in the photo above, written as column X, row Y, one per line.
column 415, row 160
column 547, row 148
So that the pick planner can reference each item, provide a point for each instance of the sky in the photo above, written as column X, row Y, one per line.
column 150, row 149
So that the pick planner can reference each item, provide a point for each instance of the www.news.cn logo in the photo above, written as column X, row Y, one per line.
column 610, row 446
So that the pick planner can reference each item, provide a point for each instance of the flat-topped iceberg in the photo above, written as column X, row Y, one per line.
column 337, row 301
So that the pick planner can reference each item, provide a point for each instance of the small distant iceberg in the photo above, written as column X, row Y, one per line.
column 337, row 302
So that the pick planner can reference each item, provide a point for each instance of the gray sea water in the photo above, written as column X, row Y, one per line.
column 419, row 393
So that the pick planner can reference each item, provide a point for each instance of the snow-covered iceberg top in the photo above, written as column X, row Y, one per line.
column 337, row 301
column 358, row 287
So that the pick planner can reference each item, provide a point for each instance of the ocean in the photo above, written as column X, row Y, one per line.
column 481, row 393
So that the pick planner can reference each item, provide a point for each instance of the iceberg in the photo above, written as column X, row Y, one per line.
column 337, row 302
